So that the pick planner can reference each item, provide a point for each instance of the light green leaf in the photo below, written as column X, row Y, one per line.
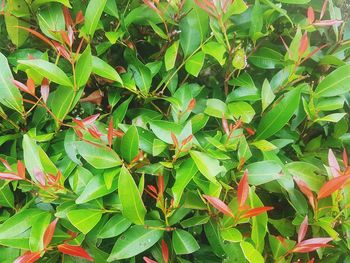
column 334, row 117
column 6, row 195
column 250, row 253
column 207, row 165
column 334, row 84
column 266, row 58
column 61, row 102
column 51, row 20
column 264, row 145
column 267, row 95
column 183, row 242
column 92, row 15
column 263, row 172
column 276, row 118
column 129, row 147
column 37, row 232
column 195, row 63
column 242, row 110
column 48, row 70
column 170, row 56
column 130, row 198
column 9, row 93
column 38, row 3
column 104, row 70
column 83, row 67
column 84, row 219
column 114, row 227
column 259, row 222
column 215, row 50
column 99, row 157
column 136, row 240
column 231, row 235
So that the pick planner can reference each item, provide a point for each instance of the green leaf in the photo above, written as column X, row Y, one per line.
column 276, row 118
column 184, row 175
column 183, row 242
column 9, row 93
column 207, row 165
column 61, row 102
column 48, row 70
column 263, row 172
column 92, row 15
column 37, row 232
column 194, row 221
column 111, row 8
column 130, row 198
column 250, row 253
column 158, row 30
column 84, row 219
column 163, row 130
column 267, row 95
column 114, row 227
column 129, row 147
column 99, row 157
column 334, row 84
column 195, row 63
column 104, row 70
column 136, row 240
column 216, row 50
column 51, row 20
column 193, row 27
column 217, row 108
column 231, row 235
column 259, row 223
column 242, row 110
column 96, row 188
column 6, row 195
column 83, row 67
column 334, row 117
column 296, row 2
column 38, row 3
column 170, row 56
column 16, row 10
column 239, row 60
column 266, row 58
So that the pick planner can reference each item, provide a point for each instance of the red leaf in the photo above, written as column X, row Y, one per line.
column 225, row 124
column 324, row 7
column 38, row 35
column 174, row 139
column 95, row 98
column 6, row 164
column 31, row 86
column 303, row 44
column 287, row 48
column 187, row 140
column 256, row 211
column 303, row 229
column 250, row 131
column 305, row 189
column 310, row 15
column 21, row 170
column 65, row 37
column 243, row 189
column 49, row 232
column 332, row 185
column 110, row 132
column 76, row 251
column 39, row 176
column 219, row 205
column 148, row 260
column 160, row 184
column 94, row 132
column 333, row 22
column 345, row 158
column 67, row 17
column 191, row 105
column 28, row 257
column 21, row 86
column 333, row 164
column 165, row 251
column 45, row 89
column 91, row 119
column 312, row 244
column 10, row 176
column 79, row 17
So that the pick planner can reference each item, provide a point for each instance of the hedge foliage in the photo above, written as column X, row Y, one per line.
column 174, row 131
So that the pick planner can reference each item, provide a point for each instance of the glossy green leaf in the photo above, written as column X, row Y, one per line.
column 207, row 165
column 231, row 235
column 114, row 227
column 183, row 242
column 92, row 15
column 129, row 147
column 83, row 67
column 130, row 198
column 250, row 253
column 170, row 56
column 103, row 69
column 266, row 58
column 195, row 63
column 334, row 84
column 267, row 95
column 242, row 110
column 84, row 219
column 215, row 50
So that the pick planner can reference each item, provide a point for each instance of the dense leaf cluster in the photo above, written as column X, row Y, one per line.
column 174, row 131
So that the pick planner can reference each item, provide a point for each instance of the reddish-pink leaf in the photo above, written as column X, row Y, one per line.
column 305, row 189
column 28, row 257
column 219, row 205
column 191, row 105
column 332, row 185
column 333, row 22
column 91, row 119
column 49, row 232
column 110, row 132
column 67, row 17
column 187, row 140
column 6, row 164
column 174, row 139
column 165, row 251
column 40, row 176
column 243, row 189
column 304, row 43
column 256, row 211
column 21, row 86
column 160, row 184
column 21, row 170
column 286, row 47
column 95, row 98
column 45, row 89
column 148, row 260
column 10, row 176
column 303, row 229
column 312, row 244
column 345, row 158
column 38, row 35
column 333, row 164
column 79, row 17
column 94, row 132
column 225, row 124
column 311, row 260
column 324, row 7
column 76, row 251
column 310, row 15
column 31, row 86
column 79, row 122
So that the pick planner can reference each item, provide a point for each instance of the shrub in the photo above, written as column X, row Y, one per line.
column 174, row 131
